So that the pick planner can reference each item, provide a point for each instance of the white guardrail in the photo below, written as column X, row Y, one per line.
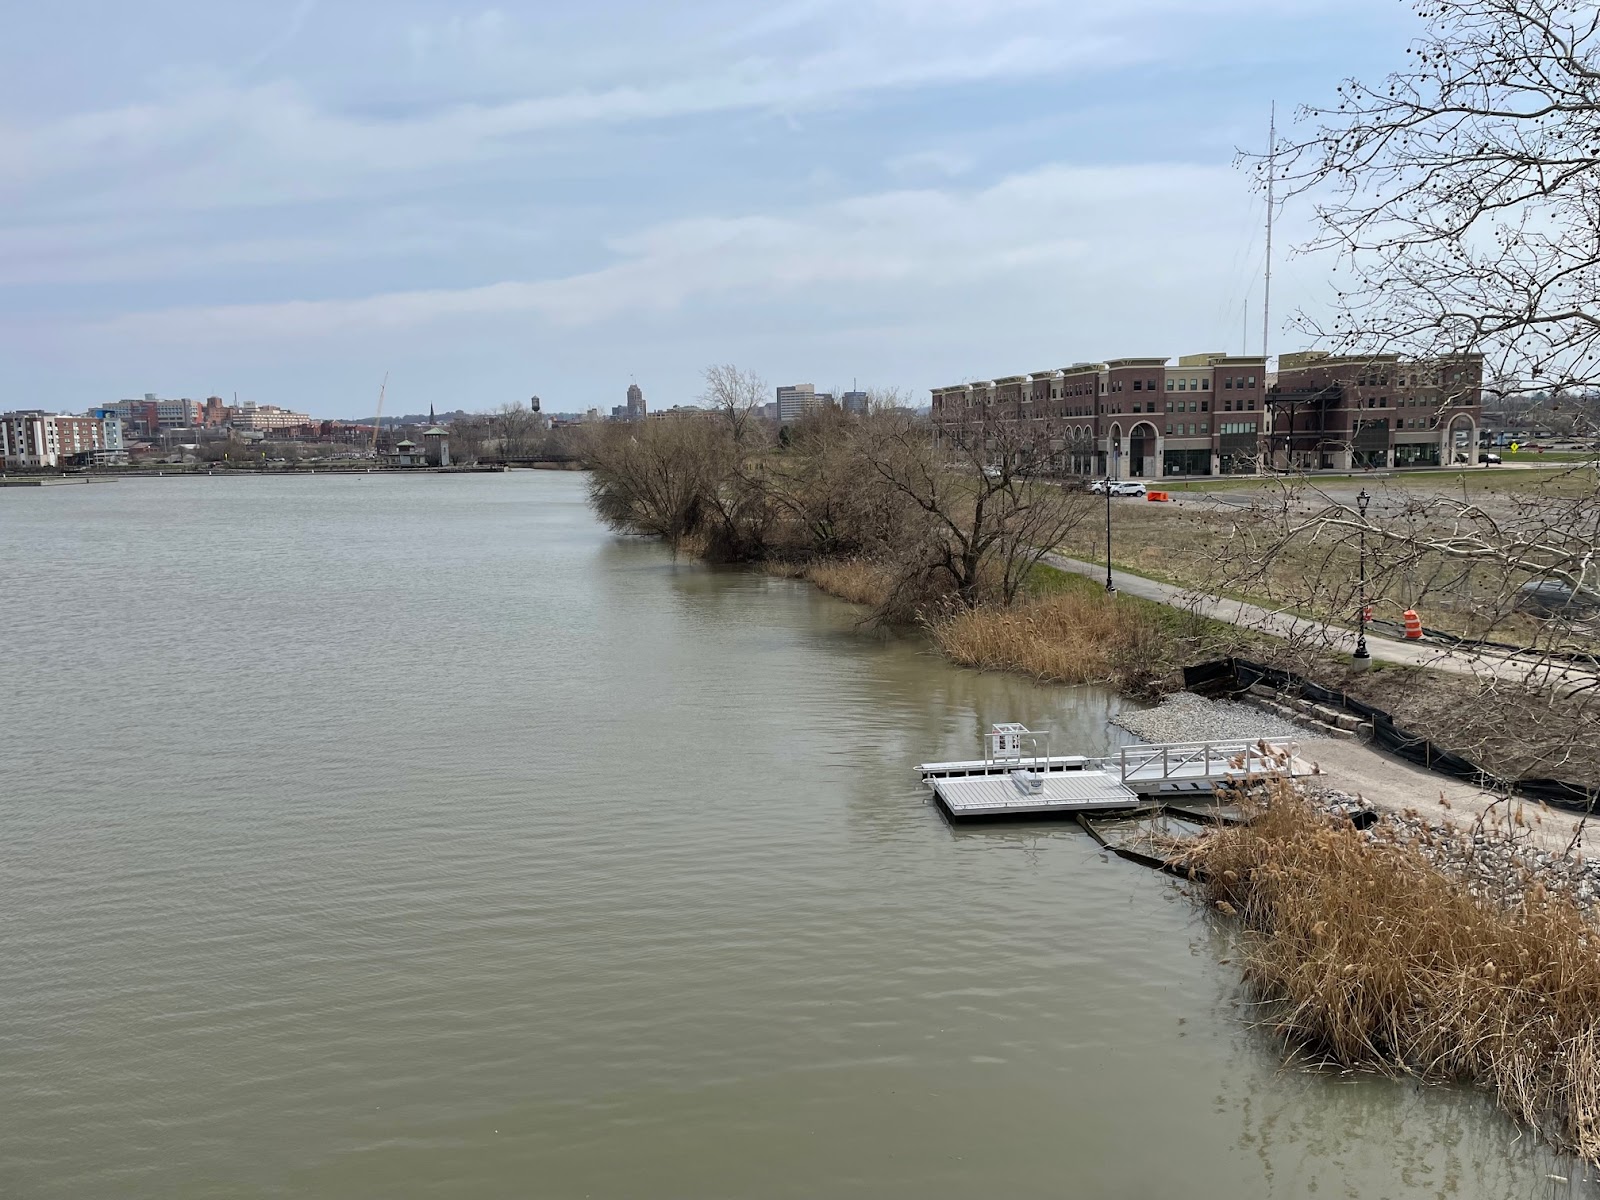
column 1205, row 760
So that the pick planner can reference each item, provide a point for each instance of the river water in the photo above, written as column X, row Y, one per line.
column 415, row 837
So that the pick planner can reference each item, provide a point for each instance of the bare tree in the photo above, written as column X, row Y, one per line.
column 1460, row 193
column 518, row 429
column 655, row 477
column 987, row 517
column 736, row 394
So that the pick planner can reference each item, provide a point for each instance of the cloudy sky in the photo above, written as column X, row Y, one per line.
column 287, row 200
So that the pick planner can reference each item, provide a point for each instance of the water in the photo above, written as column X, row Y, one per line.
column 413, row 837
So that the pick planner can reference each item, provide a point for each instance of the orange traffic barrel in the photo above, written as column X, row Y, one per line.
column 1413, row 624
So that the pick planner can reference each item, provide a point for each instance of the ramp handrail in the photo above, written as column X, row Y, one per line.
column 1202, row 760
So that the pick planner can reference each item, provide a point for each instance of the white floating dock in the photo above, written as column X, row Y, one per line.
column 1057, row 792
column 1010, row 782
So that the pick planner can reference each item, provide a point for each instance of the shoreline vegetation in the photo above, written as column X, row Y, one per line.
column 945, row 536
column 1392, row 950
column 1364, row 953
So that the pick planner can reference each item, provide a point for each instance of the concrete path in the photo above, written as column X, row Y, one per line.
column 1437, row 657
column 1394, row 785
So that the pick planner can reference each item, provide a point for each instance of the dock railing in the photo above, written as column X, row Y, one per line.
column 1177, row 761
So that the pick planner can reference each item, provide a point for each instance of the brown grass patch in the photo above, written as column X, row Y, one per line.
column 1372, row 958
column 1069, row 636
column 852, row 579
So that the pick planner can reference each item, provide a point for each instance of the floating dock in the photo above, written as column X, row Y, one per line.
column 1012, row 783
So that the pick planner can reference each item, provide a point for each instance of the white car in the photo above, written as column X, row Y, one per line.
column 1118, row 487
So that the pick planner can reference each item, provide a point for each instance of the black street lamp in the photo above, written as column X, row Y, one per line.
column 1362, row 659
column 1113, row 462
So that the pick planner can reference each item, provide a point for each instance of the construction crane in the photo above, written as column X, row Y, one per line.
column 377, row 421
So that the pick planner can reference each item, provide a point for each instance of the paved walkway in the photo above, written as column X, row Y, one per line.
column 1395, row 785
column 1285, row 625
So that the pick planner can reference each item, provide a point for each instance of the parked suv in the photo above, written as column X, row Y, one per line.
column 1486, row 459
column 1118, row 487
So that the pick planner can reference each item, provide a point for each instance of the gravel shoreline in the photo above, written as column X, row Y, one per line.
column 1186, row 717
column 1497, row 865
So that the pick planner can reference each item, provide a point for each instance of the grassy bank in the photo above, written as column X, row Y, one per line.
column 1066, row 629
column 1369, row 957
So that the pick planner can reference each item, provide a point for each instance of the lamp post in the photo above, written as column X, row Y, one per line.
column 1362, row 659
column 1113, row 472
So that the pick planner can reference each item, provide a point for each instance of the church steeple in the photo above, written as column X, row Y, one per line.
column 431, row 421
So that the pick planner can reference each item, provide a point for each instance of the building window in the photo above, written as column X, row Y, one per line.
column 1138, row 385
column 1203, row 426
column 1169, row 409
column 1205, row 385
column 1252, row 381
column 1205, row 406
column 1182, row 385
column 1227, row 381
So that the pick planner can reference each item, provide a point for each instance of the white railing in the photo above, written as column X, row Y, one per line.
column 1178, row 761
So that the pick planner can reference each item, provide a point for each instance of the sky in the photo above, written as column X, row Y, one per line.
column 287, row 201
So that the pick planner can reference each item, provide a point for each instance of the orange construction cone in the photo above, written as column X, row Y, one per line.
column 1413, row 625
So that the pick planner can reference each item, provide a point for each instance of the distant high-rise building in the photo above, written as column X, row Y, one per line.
column 798, row 399
column 636, row 406
column 853, row 402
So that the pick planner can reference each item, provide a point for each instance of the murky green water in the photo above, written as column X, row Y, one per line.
column 405, row 837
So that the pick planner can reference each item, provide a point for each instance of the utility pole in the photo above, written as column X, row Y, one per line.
column 1272, row 173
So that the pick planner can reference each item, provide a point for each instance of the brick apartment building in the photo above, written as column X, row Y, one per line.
column 1131, row 417
column 1215, row 414
column 1379, row 411
column 35, row 439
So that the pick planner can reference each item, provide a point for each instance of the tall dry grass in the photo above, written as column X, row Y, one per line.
column 1373, row 958
column 853, row 579
column 1067, row 637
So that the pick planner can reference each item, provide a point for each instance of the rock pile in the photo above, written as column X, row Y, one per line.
column 1186, row 717
column 1498, row 861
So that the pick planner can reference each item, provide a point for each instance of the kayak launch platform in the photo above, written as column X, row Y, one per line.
column 1021, row 778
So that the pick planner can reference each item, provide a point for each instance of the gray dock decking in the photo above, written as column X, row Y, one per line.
column 1012, row 785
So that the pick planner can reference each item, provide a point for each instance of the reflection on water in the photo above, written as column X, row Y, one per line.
column 402, row 837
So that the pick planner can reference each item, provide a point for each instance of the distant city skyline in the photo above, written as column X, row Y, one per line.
column 288, row 201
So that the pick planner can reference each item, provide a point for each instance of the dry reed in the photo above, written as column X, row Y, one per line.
column 853, row 579
column 1372, row 958
column 1066, row 637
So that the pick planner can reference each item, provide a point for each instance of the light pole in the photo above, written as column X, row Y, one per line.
column 1113, row 470
column 1362, row 659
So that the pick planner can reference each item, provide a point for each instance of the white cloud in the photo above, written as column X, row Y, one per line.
column 1058, row 232
column 923, row 163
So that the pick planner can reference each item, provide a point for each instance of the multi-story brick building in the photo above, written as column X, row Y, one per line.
column 1213, row 414
column 1378, row 411
column 34, row 439
column 1133, row 417
column 149, row 416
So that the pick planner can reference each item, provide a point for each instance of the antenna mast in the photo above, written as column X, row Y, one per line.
column 377, row 421
column 1272, row 174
